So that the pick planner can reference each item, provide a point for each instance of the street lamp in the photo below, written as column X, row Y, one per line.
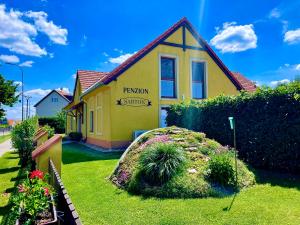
column 20, row 68
column 27, row 106
column 232, row 127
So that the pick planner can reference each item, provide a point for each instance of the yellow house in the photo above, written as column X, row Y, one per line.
column 109, row 108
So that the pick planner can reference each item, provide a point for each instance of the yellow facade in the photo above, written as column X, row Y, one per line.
column 114, row 124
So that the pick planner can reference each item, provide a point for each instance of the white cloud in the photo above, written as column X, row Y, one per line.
column 64, row 89
column 297, row 67
column 56, row 34
column 275, row 13
column 278, row 82
column 118, row 50
column 83, row 41
column 235, row 38
column 120, row 59
column 19, row 83
column 51, row 55
column 9, row 58
column 26, row 64
column 292, row 36
column 74, row 76
column 105, row 54
column 18, row 35
column 37, row 92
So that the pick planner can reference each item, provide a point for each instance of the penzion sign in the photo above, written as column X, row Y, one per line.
column 134, row 101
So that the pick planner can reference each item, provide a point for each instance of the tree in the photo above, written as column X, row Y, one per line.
column 7, row 94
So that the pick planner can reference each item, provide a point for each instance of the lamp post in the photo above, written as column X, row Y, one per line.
column 20, row 68
column 27, row 107
column 232, row 127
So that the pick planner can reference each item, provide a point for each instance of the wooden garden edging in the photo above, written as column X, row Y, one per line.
column 65, row 204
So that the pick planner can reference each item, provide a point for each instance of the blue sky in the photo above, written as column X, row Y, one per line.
column 52, row 39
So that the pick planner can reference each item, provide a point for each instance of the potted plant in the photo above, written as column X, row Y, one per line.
column 34, row 202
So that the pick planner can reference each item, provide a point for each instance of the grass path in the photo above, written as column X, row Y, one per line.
column 275, row 200
column 8, row 175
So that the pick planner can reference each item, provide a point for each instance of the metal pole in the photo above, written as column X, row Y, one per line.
column 235, row 156
column 22, row 93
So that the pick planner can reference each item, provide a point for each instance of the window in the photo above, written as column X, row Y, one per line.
column 163, row 116
column 198, row 80
column 91, row 121
column 168, row 77
column 54, row 99
column 99, row 114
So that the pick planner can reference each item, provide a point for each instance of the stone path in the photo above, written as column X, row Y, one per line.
column 5, row 147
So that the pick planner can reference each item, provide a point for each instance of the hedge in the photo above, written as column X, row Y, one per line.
column 54, row 122
column 267, row 124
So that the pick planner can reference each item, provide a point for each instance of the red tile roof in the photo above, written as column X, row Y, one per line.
column 45, row 146
column 65, row 94
column 87, row 78
column 246, row 84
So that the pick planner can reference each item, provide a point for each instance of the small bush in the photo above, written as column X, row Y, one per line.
column 221, row 170
column 22, row 139
column 75, row 136
column 49, row 130
column 160, row 162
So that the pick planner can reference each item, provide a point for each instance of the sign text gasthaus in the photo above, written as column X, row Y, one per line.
column 128, row 90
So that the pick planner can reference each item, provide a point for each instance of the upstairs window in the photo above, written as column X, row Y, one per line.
column 168, row 77
column 198, row 80
column 54, row 99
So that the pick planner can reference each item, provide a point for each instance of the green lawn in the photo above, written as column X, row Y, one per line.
column 4, row 138
column 275, row 200
column 9, row 170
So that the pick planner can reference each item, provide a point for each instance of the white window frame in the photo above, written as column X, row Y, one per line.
column 205, row 77
column 159, row 113
column 173, row 56
column 91, row 108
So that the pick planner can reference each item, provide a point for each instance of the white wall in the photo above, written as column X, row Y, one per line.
column 47, row 108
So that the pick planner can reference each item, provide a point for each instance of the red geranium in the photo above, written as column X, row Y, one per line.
column 46, row 190
column 36, row 174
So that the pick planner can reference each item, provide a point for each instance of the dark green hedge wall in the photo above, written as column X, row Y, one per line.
column 54, row 122
column 267, row 124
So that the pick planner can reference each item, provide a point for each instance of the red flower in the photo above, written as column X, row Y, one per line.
column 36, row 174
column 46, row 190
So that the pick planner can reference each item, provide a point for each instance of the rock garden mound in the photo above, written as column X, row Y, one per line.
column 174, row 162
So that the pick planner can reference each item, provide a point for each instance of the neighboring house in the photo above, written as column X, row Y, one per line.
column 52, row 103
column 178, row 65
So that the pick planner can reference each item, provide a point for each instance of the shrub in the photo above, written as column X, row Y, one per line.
column 160, row 162
column 57, row 122
column 75, row 136
column 22, row 139
column 33, row 198
column 267, row 124
column 221, row 170
column 49, row 130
